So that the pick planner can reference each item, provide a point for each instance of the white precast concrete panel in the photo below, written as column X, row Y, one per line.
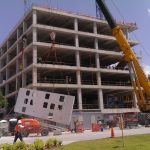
column 54, row 107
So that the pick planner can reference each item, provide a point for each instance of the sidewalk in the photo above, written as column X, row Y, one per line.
column 68, row 137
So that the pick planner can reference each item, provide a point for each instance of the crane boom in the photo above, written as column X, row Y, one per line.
column 139, row 79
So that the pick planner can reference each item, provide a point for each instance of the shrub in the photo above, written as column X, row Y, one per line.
column 57, row 142
column 8, row 147
column 49, row 143
column 20, row 146
column 54, row 142
column 39, row 144
column 31, row 147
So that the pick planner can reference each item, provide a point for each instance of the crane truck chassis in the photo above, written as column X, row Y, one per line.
column 140, row 82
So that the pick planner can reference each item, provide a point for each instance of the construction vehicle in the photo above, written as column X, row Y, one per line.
column 11, row 125
column 130, row 120
column 144, row 119
column 33, row 126
column 3, row 128
column 29, row 126
column 140, row 82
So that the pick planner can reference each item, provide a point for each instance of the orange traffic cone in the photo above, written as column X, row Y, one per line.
column 112, row 133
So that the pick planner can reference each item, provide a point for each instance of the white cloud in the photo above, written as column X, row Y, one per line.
column 148, row 10
column 147, row 69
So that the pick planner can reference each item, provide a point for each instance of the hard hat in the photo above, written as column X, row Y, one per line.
column 19, row 122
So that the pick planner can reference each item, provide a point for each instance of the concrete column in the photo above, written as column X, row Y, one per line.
column 6, row 85
column 17, row 48
column 1, row 51
column 97, row 63
column 17, row 66
column 17, row 33
column 34, row 54
column 79, row 92
column 98, row 74
column 0, row 61
column 77, row 58
column 100, row 99
column 23, row 79
column 97, row 60
column 76, row 41
column 17, row 61
column 34, row 71
column 78, row 71
column 134, row 100
column 6, row 89
column 76, row 24
column 127, row 33
column 34, row 75
column 78, row 78
column 34, row 29
column 25, row 61
column 7, row 56
column 24, row 26
column 99, row 79
column 17, row 84
column 7, row 45
column 34, row 15
column 76, row 29
column 6, row 74
column 34, row 34
column 95, row 28
column 96, row 43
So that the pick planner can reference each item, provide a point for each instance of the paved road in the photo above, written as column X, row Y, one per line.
column 68, row 137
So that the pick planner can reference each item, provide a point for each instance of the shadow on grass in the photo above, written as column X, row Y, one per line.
column 117, row 147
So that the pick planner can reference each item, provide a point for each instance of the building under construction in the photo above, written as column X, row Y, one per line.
column 63, row 52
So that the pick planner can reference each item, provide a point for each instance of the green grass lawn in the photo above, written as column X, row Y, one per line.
column 138, row 142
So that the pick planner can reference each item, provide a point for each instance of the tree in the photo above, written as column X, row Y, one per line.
column 3, row 101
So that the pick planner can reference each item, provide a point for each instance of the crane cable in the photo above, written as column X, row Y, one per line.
column 52, row 37
column 23, row 45
column 52, row 48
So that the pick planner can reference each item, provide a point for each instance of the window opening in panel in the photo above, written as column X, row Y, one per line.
column 23, row 109
column 52, row 106
column 45, row 105
column 60, row 107
column 47, row 96
column 27, row 92
column 50, row 115
column 61, row 99
column 26, row 101
column 31, row 102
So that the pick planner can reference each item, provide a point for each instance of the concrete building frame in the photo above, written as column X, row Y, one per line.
column 82, row 62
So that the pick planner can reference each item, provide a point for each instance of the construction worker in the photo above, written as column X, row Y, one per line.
column 18, row 129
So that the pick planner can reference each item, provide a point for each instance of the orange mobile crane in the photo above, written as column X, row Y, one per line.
column 140, row 82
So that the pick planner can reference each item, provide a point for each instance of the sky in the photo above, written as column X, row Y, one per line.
column 135, row 11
